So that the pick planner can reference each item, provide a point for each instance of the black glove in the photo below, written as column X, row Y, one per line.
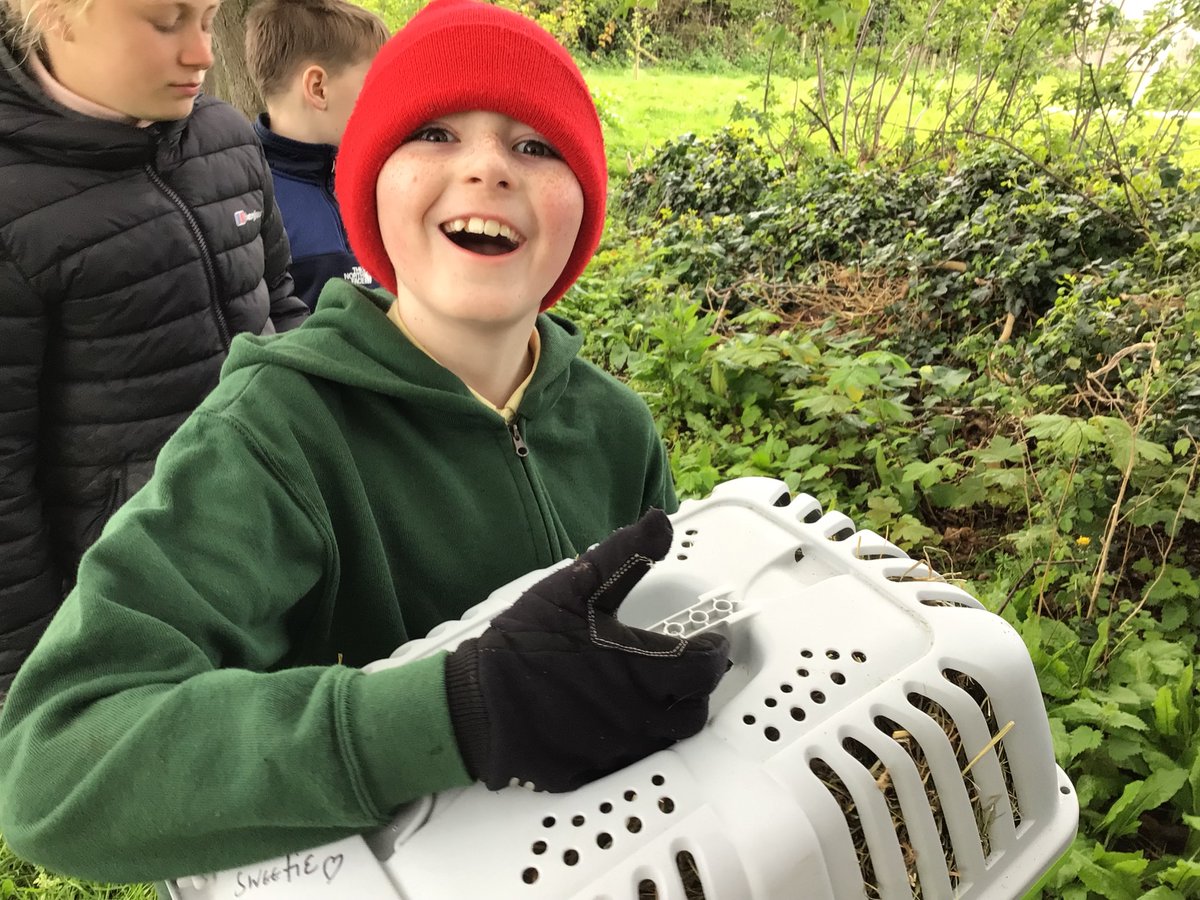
column 557, row 692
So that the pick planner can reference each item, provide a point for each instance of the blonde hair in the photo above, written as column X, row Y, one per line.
column 282, row 35
column 19, row 20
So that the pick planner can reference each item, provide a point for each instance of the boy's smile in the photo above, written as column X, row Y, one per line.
column 479, row 216
column 486, row 236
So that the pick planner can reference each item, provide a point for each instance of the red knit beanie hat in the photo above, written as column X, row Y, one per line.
column 457, row 56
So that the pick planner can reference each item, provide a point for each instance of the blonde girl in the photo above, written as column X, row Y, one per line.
column 138, row 235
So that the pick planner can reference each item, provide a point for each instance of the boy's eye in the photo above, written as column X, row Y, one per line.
column 434, row 134
column 534, row 147
column 166, row 27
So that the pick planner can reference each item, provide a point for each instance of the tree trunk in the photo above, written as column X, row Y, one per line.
column 229, row 78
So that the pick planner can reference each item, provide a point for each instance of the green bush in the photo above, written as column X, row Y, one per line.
column 1056, row 474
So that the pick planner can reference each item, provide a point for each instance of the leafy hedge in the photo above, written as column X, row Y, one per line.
column 846, row 333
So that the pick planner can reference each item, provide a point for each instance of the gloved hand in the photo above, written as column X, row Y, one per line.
column 557, row 692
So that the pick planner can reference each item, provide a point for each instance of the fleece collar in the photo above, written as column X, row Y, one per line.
column 299, row 159
column 349, row 340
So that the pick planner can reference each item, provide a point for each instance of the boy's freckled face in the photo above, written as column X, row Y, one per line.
column 478, row 216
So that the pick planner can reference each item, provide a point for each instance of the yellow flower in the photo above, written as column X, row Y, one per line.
column 1083, row 540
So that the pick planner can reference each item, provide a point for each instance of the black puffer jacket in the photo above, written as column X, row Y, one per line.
column 128, row 259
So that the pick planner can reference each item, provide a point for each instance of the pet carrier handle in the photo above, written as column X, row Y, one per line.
column 557, row 692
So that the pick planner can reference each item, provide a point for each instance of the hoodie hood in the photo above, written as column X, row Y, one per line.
column 350, row 341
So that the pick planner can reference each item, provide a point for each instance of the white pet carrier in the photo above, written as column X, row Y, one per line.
column 880, row 735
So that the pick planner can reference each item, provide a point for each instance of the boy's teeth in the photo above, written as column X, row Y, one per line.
column 476, row 225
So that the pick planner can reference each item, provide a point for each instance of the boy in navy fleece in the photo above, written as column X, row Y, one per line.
column 308, row 59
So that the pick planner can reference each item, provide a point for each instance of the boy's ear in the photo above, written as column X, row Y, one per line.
column 315, row 82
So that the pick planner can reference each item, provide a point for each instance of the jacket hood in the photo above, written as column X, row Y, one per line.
column 350, row 341
column 48, row 130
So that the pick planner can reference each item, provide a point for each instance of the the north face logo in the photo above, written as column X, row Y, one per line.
column 357, row 275
column 241, row 217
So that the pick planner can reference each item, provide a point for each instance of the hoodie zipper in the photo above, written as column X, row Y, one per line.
column 519, row 445
column 540, row 499
column 206, row 257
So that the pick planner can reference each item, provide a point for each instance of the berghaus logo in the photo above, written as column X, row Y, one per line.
column 241, row 217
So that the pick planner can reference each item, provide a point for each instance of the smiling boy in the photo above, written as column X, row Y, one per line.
column 351, row 485
column 481, row 214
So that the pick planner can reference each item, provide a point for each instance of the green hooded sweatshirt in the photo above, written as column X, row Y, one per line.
column 195, row 704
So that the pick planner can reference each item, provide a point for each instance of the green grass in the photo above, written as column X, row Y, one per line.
column 641, row 114
column 19, row 879
column 660, row 105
